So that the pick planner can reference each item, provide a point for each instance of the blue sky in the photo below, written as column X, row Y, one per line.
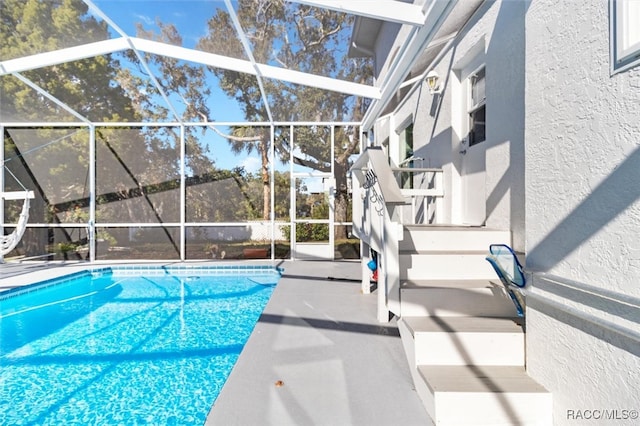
column 190, row 18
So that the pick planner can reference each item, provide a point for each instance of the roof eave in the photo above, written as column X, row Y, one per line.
column 363, row 38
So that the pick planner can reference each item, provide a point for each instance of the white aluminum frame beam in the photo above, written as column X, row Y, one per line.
column 119, row 44
column 69, row 54
column 267, row 71
column 249, row 53
column 383, row 10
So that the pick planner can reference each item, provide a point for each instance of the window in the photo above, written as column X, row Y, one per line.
column 477, row 107
column 406, row 155
column 624, row 34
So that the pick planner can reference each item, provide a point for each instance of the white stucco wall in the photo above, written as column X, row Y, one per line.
column 563, row 173
column 499, row 31
column 582, row 211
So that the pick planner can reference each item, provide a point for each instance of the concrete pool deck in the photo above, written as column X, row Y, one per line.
column 317, row 356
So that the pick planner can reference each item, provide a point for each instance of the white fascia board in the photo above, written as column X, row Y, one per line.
column 383, row 10
column 68, row 54
column 266, row 71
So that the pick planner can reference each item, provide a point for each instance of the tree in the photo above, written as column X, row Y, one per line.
column 32, row 26
column 52, row 161
column 302, row 38
column 137, row 168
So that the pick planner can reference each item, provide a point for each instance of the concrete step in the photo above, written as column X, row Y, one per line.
column 467, row 297
column 463, row 341
column 449, row 238
column 442, row 265
column 483, row 395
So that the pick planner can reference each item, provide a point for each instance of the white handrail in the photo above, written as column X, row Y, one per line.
column 427, row 199
column 592, row 313
column 378, row 221
column 585, row 316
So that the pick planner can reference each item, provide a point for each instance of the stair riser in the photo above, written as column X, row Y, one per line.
column 479, row 409
column 447, row 302
column 441, row 349
column 409, row 346
column 430, row 240
column 483, row 395
column 426, row 396
column 433, row 348
column 416, row 266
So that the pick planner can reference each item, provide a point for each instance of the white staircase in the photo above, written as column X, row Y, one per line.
column 464, row 343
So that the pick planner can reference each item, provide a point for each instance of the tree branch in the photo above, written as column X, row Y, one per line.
column 227, row 136
column 311, row 164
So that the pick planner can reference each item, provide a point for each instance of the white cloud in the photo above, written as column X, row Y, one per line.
column 251, row 164
column 146, row 19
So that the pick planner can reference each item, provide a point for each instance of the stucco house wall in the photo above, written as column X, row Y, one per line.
column 436, row 117
column 563, row 173
column 582, row 213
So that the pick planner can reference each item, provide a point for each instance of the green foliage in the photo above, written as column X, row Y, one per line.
column 313, row 206
column 306, row 232
column 105, row 236
column 306, row 39
column 137, row 169
column 65, row 247
column 33, row 26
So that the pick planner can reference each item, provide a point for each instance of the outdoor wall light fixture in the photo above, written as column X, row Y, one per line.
column 433, row 81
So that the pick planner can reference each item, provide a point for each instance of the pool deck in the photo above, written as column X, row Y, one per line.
column 319, row 336
column 317, row 356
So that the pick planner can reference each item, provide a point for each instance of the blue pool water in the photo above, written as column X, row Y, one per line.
column 125, row 347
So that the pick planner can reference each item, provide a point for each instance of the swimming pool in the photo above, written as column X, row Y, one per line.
column 126, row 345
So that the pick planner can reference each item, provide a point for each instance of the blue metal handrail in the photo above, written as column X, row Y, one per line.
column 510, row 271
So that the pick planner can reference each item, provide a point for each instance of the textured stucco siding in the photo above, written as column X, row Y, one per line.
column 505, row 121
column 585, row 368
column 500, row 30
column 563, row 173
column 583, row 140
column 582, row 208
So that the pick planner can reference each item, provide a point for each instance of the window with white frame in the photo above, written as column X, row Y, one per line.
column 477, row 107
column 624, row 34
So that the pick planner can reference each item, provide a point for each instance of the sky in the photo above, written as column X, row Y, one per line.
column 190, row 18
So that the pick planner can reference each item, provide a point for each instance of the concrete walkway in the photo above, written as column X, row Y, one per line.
column 318, row 356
